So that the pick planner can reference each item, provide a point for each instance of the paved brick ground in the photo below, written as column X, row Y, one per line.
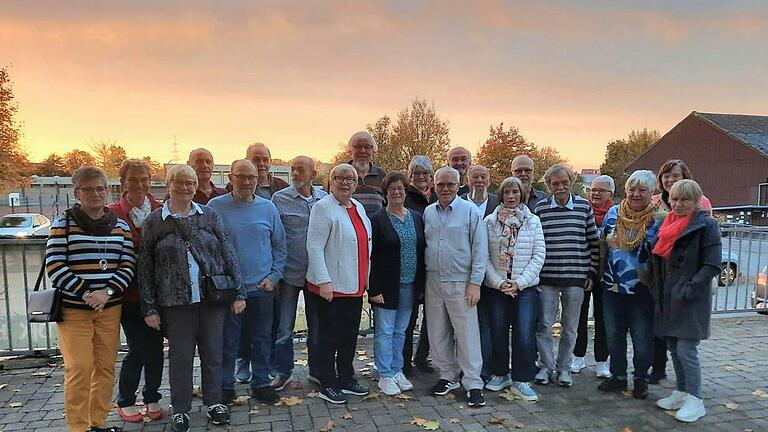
column 735, row 364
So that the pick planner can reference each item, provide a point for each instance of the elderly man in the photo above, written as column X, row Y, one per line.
column 362, row 147
column 479, row 179
column 456, row 257
column 201, row 160
column 601, row 198
column 261, row 157
column 460, row 159
column 523, row 168
column 259, row 240
column 294, row 204
column 569, row 269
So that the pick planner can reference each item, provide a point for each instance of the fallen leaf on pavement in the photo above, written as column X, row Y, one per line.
column 670, row 412
column 39, row 374
column 728, row 367
column 508, row 395
column 347, row 416
column 760, row 393
column 328, row 426
column 460, row 407
column 371, row 364
column 2, row 386
column 362, row 352
column 15, row 404
column 253, row 411
column 304, row 351
column 431, row 425
column 374, row 395
column 731, row 405
column 300, row 362
column 501, row 422
column 296, row 386
column 403, row 396
column 418, row 421
column 628, row 429
column 290, row 401
column 627, row 393
column 353, row 409
column 241, row 400
column 197, row 391
column 362, row 357
column 312, row 394
column 450, row 396
column 454, row 420
column 518, row 425
column 400, row 405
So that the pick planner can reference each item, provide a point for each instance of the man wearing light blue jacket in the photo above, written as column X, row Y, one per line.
column 258, row 236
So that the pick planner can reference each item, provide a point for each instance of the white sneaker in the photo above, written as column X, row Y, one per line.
column 498, row 383
column 388, row 386
column 564, row 379
column 673, row 401
column 402, row 382
column 692, row 409
column 542, row 377
column 524, row 390
column 603, row 369
column 577, row 364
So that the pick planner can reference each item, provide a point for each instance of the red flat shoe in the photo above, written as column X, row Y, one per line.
column 155, row 415
column 136, row 418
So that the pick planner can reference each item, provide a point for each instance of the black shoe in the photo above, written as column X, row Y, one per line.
column 106, row 429
column 443, row 387
column 408, row 370
column 228, row 396
column 641, row 389
column 219, row 414
column 266, row 395
column 656, row 377
column 354, row 388
column 475, row 398
column 332, row 395
column 613, row 384
column 424, row 367
column 180, row 422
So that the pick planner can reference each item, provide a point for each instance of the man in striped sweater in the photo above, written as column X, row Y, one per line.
column 569, row 269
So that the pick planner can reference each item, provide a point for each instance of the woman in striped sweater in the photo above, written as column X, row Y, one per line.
column 90, row 258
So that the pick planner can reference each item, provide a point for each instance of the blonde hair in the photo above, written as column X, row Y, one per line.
column 686, row 189
column 514, row 182
column 179, row 169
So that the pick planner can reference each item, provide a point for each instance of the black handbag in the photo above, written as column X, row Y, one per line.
column 44, row 305
column 219, row 290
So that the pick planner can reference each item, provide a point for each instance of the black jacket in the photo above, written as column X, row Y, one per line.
column 385, row 259
column 493, row 202
column 415, row 200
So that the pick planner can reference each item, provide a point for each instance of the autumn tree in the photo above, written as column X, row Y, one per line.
column 53, row 165
column 499, row 149
column 75, row 159
column 621, row 152
column 109, row 156
column 418, row 131
column 14, row 161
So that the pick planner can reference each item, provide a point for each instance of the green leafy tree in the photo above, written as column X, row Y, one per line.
column 53, row 165
column 14, row 161
column 621, row 152
column 499, row 149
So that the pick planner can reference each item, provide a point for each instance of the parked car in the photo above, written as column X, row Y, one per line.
column 22, row 225
column 760, row 294
column 730, row 268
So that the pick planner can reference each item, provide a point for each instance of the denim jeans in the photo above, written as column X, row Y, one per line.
column 422, row 346
column 389, row 337
column 282, row 352
column 493, row 319
column 259, row 324
column 685, row 359
column 524, row 313
column 631, row 313
column 145, row 352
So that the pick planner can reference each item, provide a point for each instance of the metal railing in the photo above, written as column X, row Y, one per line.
column 744, row 258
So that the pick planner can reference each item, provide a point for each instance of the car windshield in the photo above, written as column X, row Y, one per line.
column 15, row 222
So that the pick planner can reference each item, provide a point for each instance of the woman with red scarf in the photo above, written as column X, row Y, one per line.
column 601, row 197
column 686, row 258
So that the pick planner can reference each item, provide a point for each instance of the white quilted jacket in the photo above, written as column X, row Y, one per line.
column 530, row 251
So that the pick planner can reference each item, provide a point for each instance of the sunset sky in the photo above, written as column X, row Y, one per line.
column 303, row 76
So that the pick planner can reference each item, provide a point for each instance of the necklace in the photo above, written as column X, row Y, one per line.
column 103, row 265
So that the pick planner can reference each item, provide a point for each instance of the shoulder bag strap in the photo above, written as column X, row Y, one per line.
column 187, row 244
column 41, row 274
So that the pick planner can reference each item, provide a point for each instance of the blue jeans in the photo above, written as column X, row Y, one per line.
column 685, row 359
column 631, row 313
column 259, row 323
column 282, row 352
column 389, row 339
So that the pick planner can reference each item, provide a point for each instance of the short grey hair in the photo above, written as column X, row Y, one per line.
column 257, row 145
column 448, row 170
column 556, row 169
column 643, row 178
column 516, row 182
column 606, row 179
column 342, row 168
column 362, row 135
column 179, row 169
column 422, row 162
column 87, row 173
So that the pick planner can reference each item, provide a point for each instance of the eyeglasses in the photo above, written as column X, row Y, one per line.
column 347, row 180
column 420, row 174
column 89, row 190
column 245, row 178
column 446, row 185
column 362, row 147
column 184, row 184
column 523, row 171
column 599, row 191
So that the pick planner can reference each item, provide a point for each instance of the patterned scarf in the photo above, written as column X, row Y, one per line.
column 632, row 226
column 511, row 221
column 139, row 214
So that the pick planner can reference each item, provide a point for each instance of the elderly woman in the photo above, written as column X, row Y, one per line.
column 687, row 255
column 338, row 248
column 510, row 293
column 145, row 345
column 89, row 257
column 672, row 171
column 601, row 197
column 418, row 195
column 629, row 232
column 397, row 273
column 181, row 242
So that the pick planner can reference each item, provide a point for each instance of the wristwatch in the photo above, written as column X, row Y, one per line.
column 110, row 291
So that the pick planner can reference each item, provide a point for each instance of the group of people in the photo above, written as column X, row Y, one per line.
column 219, row 270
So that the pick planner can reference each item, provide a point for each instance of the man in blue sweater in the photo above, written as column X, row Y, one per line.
column 259, row 240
